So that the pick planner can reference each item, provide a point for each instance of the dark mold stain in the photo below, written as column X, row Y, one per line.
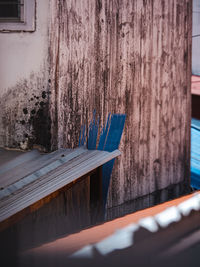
column 178, row 12
column 185, row 58
column 33, row 111
column 22, row 122
column 42, row 103
column 99, row 5
column 31, row 118
column 25, row 111
column 44, row 94
column 41, row 123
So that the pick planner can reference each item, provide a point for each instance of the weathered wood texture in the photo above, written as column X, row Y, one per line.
column 60, row 170
column 61, row 213
column 130, row 57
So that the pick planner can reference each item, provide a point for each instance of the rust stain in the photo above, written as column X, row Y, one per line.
column 76, row 241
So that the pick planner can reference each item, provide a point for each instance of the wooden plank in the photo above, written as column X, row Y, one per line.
column 17, row 217
column 31, row 165
column 19, row 159
column 48, row 177
column 61, row 213
column 53, row 181
column 38, row 168
column 61, row 177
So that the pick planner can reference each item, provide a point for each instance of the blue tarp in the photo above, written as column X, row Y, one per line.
column 195, row 153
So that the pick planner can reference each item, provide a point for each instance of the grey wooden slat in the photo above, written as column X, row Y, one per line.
column 55, row 183
column 11, row 164
column 42, row 192
column 26, row 167
column 29, row 167
column 51, row 182
column 49, row 165
column 48, row 177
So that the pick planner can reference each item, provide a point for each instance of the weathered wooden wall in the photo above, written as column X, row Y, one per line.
column 130, row 57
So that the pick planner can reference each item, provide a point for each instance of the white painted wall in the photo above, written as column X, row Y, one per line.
column 24, row 74
column 23, row 53
column 195, row 38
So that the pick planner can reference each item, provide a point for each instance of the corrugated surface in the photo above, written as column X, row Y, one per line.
column 131, row 57
column 44, row 175
column 133, row 233
column 195, row 154
column 74, row 242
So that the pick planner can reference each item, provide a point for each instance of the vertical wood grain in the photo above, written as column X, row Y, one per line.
column 130, row 57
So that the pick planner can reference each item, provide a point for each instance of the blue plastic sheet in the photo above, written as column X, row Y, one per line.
column 195, row 154
column 109, row 140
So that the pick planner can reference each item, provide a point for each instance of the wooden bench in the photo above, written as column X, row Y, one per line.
column 64, row 186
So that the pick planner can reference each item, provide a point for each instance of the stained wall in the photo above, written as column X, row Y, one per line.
column 24, row 87
column 131, row 57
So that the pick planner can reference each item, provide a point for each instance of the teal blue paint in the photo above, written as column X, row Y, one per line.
column 93, row 132
column 104, row 133
column 109, row 140
column 195, row 154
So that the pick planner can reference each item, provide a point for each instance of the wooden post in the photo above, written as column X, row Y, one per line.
column 96, row 199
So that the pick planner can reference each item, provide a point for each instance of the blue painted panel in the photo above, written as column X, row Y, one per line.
column 93, row 132
column 195, row 153
column 109, row 140
column 104, row 134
